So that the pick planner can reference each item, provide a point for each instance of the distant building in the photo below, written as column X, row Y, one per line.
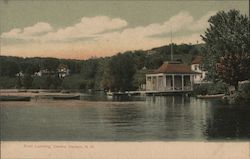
column 20, row 74
column 43, row 72
column 196, row 67
column 171, row 76
column 63, row 71
column 151, row 52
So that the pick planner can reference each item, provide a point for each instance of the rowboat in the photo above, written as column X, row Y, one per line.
column 14, row 98
column 66, row 97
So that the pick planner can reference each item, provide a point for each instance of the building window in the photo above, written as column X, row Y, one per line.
column 195, row 67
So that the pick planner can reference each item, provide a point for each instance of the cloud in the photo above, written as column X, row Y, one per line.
column 102, row 36
column 28, row 33
column 202, row 23
column 87, row 27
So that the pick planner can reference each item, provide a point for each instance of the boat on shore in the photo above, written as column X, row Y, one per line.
column 14, row 98
column 111, row 94
column 22, row 90
column 66, row 97
column 65, row 91
column 214, row 96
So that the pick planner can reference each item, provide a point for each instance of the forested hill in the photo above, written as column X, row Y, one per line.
column 122, row 71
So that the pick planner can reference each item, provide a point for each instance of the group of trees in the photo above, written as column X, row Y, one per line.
column 227, row 47
column 121, row 72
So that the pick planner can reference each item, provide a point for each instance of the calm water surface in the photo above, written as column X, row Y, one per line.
column 94, row 118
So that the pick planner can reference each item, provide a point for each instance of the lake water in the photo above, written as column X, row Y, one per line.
column 96, row 118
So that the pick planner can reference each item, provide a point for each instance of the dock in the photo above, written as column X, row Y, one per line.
column 148, row 93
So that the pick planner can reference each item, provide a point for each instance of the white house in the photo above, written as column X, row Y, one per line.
column 172, row 76
column 196, row 67
column 20, row 74
column 63, row 70
column 42, row 72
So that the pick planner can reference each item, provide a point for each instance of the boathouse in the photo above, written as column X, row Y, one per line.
column 172, row 76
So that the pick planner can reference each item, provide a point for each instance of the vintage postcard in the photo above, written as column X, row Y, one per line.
column 124, row 79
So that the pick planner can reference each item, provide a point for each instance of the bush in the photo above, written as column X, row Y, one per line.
column 7, row 82
column 210, row 88
column 242, row 96
column 76, row 82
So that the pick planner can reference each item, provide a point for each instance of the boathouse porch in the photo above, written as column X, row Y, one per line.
column 172, row 76
column 169, row 82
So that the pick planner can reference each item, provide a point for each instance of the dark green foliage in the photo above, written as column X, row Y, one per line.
column 27, row 81
column 74, row 82
column 7, row 82
column 244, row 93
column 119, row 72
column 139, row 78
column 210, row 88
column 47, row 82
column 19, row 82
column 233, row 68
column 8, row 67
column 227, row 36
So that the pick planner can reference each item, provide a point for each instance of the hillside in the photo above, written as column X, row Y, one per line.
column 116, row 72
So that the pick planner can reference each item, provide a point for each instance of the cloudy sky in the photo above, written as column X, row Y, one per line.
column 82, row 29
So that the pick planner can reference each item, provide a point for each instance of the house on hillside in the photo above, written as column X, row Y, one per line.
column 63, row 70
column 172, row 76
column 43, row 72
column 196, row 67
column 20, row 74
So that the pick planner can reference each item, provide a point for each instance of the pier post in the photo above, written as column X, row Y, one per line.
column 173, row 82
column 182, row 82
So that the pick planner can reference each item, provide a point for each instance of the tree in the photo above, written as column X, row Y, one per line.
column 227, row 38
column 18, row 82
column 120, row 71
column 140, row 78
column 233, row 68
column 27, row 81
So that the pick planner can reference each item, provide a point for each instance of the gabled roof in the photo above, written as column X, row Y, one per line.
column 174, row 68
column 197, row 60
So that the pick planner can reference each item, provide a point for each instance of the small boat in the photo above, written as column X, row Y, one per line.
column 66, row 97
column 22, row 91
column 65, row 91
column 14, row 98
column 110, row 94
column 34, row 91
column 117, row 94
column 215, row 96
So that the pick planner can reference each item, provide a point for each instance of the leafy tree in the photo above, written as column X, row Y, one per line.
column 227, row 38
column 139, row 78
column 18, row 82
column 233, row 68
column 120, row 72
column 27, row 81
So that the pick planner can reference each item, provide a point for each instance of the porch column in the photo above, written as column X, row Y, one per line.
column 182, row 82
column 157, row 83
column 173, row 82
column 191, row 81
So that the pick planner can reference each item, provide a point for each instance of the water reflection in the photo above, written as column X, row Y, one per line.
column 167, row 118
column 228, row 122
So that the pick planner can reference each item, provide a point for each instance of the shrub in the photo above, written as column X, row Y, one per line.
column 7, row 82
column 210, row 88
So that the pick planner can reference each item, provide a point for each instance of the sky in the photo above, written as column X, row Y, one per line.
column 80, row 29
